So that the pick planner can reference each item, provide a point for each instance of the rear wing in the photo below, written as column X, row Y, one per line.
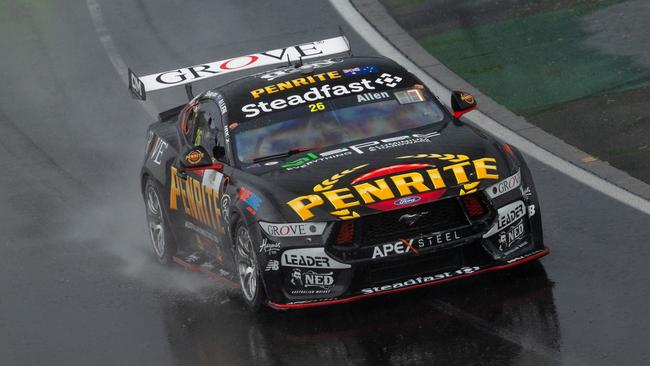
column 140, row 86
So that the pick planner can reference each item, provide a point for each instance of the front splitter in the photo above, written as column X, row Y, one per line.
column 424, row 281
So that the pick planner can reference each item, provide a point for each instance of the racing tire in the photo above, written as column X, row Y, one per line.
column 162, row 239
column 248, row 269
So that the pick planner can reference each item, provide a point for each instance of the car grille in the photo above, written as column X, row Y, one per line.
column 386, row 226
column 450, row 259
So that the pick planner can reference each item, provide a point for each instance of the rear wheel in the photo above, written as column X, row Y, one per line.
column 248, row 268
column 159, row 233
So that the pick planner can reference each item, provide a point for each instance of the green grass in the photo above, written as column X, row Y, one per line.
column 534, row 62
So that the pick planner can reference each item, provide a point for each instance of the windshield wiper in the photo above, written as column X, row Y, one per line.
column 294, row 151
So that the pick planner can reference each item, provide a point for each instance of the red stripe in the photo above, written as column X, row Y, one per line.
column 358, row 297
column 214, row 276
column 390, row 170
column 409, row 245
column 390, row 204
column 200, row 169
column 457, row 114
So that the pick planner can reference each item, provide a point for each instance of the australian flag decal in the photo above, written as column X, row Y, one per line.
column 360, row 70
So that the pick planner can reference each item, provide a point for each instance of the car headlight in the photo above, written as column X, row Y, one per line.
column 284, row 230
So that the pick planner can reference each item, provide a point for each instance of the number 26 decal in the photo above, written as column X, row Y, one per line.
column 316, row 107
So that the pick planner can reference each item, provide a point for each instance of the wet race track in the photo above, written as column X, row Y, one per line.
column 81, row 287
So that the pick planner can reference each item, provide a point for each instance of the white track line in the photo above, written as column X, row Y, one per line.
column 109, row 46
column 382, row 46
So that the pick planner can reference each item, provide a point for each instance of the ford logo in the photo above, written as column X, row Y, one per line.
column 407, row 200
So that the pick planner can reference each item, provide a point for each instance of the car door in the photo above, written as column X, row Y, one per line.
column 207, row 184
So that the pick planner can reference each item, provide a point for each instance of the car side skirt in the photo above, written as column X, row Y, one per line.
column 213, row 275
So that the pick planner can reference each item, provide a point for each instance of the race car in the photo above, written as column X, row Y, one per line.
column 330, row 179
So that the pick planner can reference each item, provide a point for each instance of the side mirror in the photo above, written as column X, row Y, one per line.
column 196, row 157
column 219, row 152
column 462, row 103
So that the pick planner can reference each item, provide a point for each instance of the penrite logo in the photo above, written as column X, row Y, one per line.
column 194, row 157
column 198, row 199
column 467, row 98
column 377, row 188
column 295, row 83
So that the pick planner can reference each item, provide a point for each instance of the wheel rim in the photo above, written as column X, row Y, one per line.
column 246, row 264
column 155, row 220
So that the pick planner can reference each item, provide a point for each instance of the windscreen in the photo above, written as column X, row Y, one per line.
column 335, row 121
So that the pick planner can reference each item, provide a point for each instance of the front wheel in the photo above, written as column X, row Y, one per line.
column 159, row 233
column 248, row 268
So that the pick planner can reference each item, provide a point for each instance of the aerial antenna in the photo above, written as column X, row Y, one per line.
column 188, row 91
column 298, row 63
column 342, row 33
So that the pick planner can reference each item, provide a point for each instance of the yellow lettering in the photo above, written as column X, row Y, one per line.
column 207, row 191
column 338, row 200
column 310, row 79
column 381, row 191
column 284, row 85
column 304, row 210
column 198, row 198
column 271, row 89
column 482, row 167
column 174, row 192
column 459, row 171
column 299, row 81
column 186, row 205
column 257, row 92
column 416, row 181
column 333, row 75
column 436, row 178
column 189, row 193
column 204, row 204
column 320, row 77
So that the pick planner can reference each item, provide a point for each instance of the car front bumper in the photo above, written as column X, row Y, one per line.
column 413, row 282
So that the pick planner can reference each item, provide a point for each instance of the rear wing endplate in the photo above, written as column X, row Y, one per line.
column 140, row 86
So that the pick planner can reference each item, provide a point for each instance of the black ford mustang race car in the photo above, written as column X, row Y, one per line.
column 326, row 181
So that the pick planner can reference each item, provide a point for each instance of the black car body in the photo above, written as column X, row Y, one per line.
column 403, row 200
